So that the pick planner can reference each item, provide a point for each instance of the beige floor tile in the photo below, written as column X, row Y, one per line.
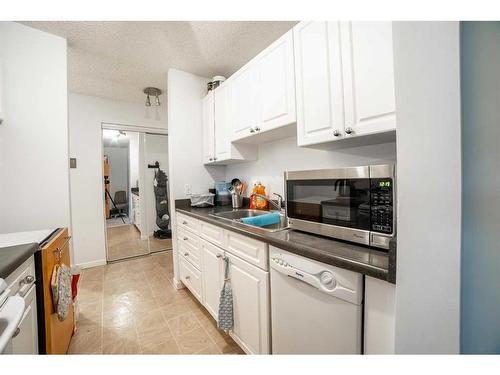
column 174, row 309
column 131, row 307
column 183, row 324
column 86, row 342
column 212, row 349
column 151, row 320
column 167, row 347
column 154, row 336
column 194, row 341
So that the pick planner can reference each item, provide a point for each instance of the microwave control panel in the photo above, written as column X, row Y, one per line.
column 381, row 196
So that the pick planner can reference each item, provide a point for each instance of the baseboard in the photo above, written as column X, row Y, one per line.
column 96, row 263
column 178, row 284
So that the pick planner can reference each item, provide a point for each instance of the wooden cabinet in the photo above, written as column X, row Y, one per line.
column 250, row 286
column 368, row 62
column 213, row 276
column 318, row 74
column 57, row 333
column 208, row 128
column 344, row 80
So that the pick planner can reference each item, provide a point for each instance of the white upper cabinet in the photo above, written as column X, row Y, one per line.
column 318, row 74
column 262, row 99
column 217, row 145
column 208, row 128
column 244, row 102
column 277, row 85
column 344, row 80
column 367, row 55
column 222, row 129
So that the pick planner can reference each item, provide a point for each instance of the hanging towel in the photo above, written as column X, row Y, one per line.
column 226, row 301
column 61, row 290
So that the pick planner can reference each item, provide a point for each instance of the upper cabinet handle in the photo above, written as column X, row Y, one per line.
column 252, row 130
column 348, row 130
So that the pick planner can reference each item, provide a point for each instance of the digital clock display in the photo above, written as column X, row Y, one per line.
column 384, row 184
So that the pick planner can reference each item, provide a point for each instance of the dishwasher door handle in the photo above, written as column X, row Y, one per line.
column 11, row 313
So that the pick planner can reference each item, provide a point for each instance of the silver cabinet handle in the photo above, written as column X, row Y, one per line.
column 186, row 254
column 187, row 277
column 252, row 130
column 185, row 238
column 336, row 133
column 211, row 159
column 215, row 158
column 257, row 129
column 348, row 130
column 184, row 223
column 218, row 256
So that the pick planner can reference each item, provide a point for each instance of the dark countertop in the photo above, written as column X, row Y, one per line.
column 365, row 260
column 12, row 257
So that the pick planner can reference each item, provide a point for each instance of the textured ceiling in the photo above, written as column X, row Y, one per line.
column 118, row 59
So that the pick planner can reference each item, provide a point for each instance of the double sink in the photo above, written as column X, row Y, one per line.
column 237, row 214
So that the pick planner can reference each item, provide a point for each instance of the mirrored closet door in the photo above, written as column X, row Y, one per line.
column 137, row 215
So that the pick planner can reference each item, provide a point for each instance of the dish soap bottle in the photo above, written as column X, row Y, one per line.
column 261, row 203
column 253, row 198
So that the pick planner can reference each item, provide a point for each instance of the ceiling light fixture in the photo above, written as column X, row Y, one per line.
column 152, row 91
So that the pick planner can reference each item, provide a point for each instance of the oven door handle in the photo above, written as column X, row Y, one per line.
column 11, row 313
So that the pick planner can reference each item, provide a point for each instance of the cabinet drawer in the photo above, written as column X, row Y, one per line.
column 189, row 247
column 191, row 278
column 212, row 233
column 187, row 222
column 248, row 249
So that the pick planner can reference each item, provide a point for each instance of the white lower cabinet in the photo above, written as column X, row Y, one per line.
column 213, row 276
column 191, row 278
column 248, row 275
column 250, row 286
column 379, row 316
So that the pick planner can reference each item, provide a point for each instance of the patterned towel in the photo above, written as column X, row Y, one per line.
column 61, row 290
column 226, row 302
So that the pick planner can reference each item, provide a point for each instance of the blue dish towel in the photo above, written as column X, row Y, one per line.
column 262, row 220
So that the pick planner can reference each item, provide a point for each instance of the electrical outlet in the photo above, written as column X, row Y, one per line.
column 187, row 189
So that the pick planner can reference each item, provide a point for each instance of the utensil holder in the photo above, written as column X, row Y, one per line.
column 237, row 200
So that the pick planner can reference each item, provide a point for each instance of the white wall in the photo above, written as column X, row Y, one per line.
column 34, row 185
column 118, row 169
column 185, row 93
column 278, row 156
column 86, row 113
column 429, row 186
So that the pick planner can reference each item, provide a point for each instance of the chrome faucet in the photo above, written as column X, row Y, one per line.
column 278, row 206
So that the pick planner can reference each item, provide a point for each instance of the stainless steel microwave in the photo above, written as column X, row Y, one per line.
column 356, row 204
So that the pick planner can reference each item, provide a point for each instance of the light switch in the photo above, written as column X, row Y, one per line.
column 72, row 162
column 187, row 189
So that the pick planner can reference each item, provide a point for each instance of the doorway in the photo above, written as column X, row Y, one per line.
column 136, row 210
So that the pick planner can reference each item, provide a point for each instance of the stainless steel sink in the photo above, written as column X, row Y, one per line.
column 237, row 214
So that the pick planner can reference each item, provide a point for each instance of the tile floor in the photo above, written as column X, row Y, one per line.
column 125, row 241
column 131, row 307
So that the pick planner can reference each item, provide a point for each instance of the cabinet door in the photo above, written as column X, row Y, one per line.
column 26, row 341
column 368, row 62
column 244, row 102
column 318, row 79
column 222, row 129
column 212, row 275
column 208, row 128
column 250, row 287
column 277, row 84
